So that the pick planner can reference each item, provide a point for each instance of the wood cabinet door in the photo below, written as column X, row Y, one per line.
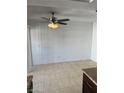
column 88, row 85
column 88, row 88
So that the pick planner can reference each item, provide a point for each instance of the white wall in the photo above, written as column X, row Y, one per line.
column 94, row 43
column 29, row 56
column 67, row 43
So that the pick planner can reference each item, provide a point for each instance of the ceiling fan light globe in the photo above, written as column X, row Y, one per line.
column 53, row 26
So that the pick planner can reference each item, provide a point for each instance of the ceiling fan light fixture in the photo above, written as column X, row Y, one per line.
column 53, row 25
column 90, row 1
column 85, row 1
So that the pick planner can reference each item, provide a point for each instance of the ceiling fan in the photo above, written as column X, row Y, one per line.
column 54, row 21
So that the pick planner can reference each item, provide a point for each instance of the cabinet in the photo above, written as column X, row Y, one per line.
column 89, row 81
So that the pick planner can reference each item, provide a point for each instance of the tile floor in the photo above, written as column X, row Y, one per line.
column 65, row 77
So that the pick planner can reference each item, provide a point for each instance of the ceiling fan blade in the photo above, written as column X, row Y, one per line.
column 63, row 20
column 45, row 18
column 62, row 23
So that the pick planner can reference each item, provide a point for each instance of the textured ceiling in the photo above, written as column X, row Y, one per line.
column 74, row 10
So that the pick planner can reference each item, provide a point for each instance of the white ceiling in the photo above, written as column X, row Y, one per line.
column 74, row 10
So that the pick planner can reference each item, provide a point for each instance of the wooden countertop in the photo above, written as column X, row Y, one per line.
column 91, row 73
